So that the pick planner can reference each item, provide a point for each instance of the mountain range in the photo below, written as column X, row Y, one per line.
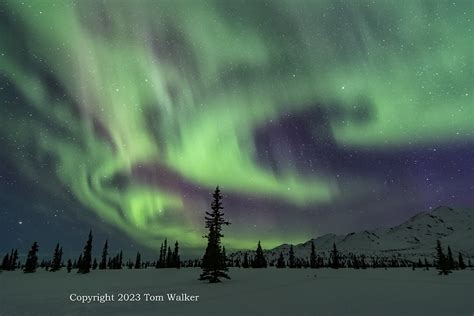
column 412, row 239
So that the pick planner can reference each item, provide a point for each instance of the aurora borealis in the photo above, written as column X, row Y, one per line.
column 312, row 116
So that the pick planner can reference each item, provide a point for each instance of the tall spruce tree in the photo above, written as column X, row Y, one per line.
column 441, row 260
column 335, row 258
column 57, row 257
column 281, row 261
column 175, row 257
column 159, row 262
column 86, row 262
column 213, row 267
column 313, row 260
column 69, row 265
column 103, row 260
column 259, row 260
column 32, row 259
column 291, row 258
column 138, row 261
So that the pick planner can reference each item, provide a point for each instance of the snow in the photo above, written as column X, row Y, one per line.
column 250, row 292
column 413, row 239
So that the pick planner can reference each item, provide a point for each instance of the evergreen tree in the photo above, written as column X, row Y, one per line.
column 313, row 260
column 6, row 262
column 57, row 257
column 419, row 264
column 291, row 258
column 259, row 260
column 159, row 263
column 281, row 261
column 32, row 260
column 120, row 260
column 427, row 266
column 69, row 265
column 245, row 264
column 461, row 263
column 103, row 261
column 86, row 262
column 94, row 264
column 335, row 258
column 441, row 261
column 212, row 264
column 451, row 264
column 138, row 261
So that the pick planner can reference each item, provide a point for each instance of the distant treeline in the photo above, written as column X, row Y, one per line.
column 170, row 258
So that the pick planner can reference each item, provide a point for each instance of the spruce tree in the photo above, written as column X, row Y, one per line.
column 86, row 263
column 291, row 258
column 441, row 261
column 57, row 257
column 281, row 261
column 313, row 260
column 176, row 258
column 6, row 262
column 103, row 261
column 259, row 260
column 212, row 264
column 32, row 260
column 94, row 264
column 427, row 266
column 461, row 263
column 138, row 261
column 335, row 258
column 69, row 265
column 159, row 262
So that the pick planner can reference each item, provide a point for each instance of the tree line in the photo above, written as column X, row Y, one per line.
column 215, row 263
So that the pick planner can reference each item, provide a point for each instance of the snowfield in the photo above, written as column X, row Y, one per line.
column 269, row 291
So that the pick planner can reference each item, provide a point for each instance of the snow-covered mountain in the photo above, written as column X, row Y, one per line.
column 412, row 239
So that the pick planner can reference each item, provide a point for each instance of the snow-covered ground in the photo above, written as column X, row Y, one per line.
column 250, row 292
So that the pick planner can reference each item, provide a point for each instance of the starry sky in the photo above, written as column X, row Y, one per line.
column 312, row 116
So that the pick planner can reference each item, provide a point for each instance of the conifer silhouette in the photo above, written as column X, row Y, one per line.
column 32, row 260
column 103, row 261
column 212, row 264
column 86, row 262
column 281, row 261
column 259, row 260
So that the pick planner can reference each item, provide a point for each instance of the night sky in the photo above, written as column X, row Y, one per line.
column 312, row 116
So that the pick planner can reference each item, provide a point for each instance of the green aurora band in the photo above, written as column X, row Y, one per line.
column 187, row 83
